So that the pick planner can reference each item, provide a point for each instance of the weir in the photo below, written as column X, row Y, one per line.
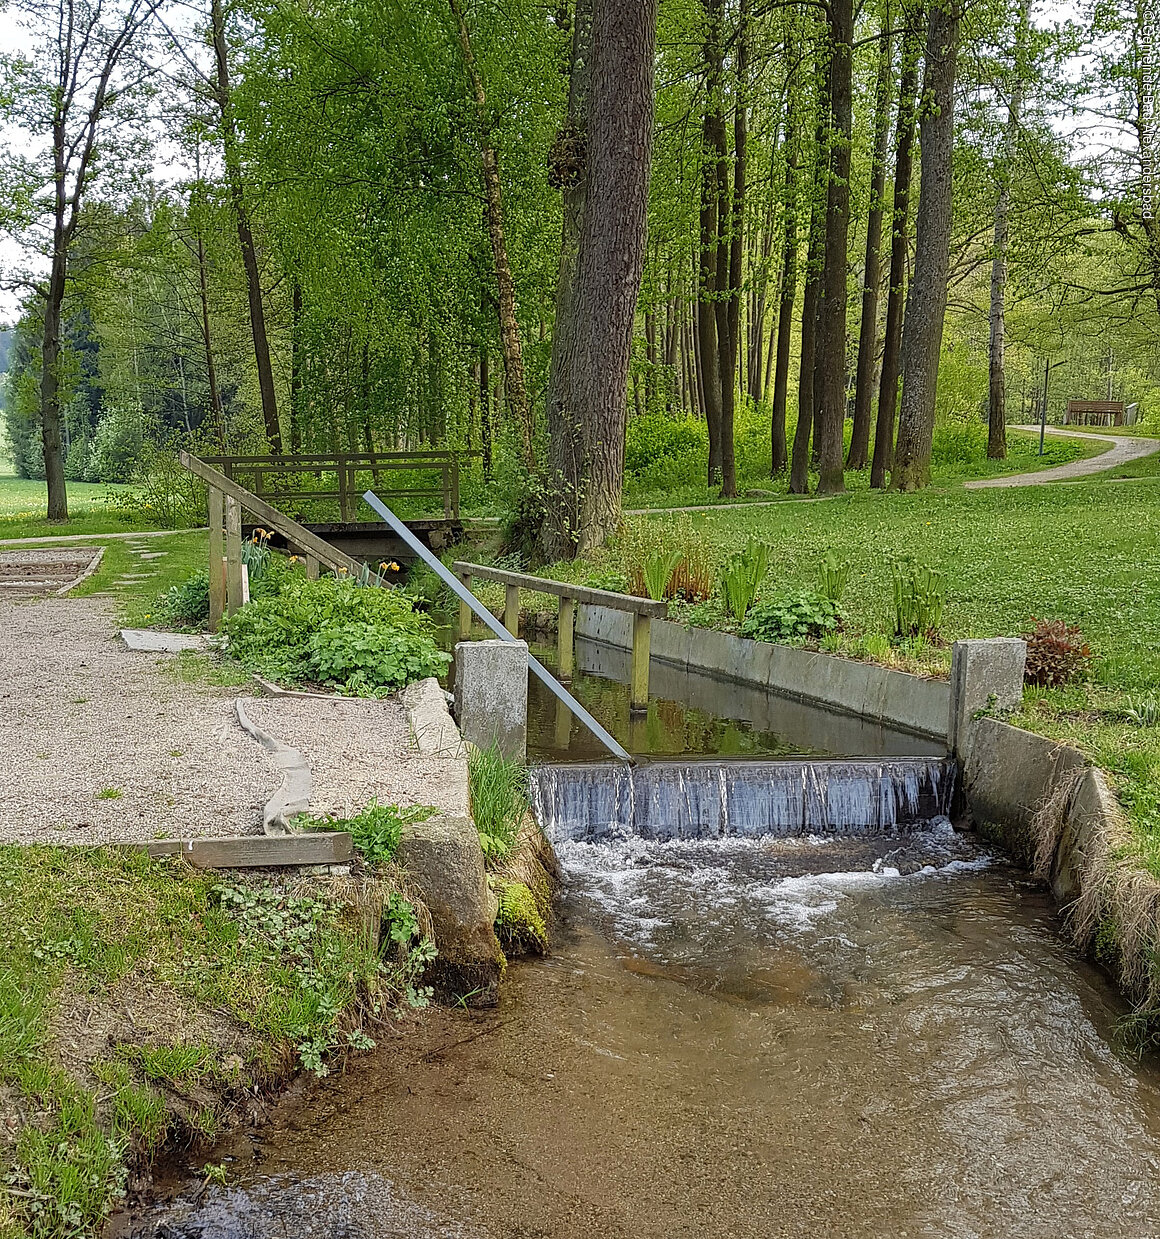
column 597, row 801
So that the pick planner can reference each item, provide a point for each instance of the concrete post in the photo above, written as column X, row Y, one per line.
column 491, row 695
column 985, row 675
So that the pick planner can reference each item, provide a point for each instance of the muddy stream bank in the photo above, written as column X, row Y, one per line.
column 799, row 1037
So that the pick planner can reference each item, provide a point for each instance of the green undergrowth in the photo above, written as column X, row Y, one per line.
column 498, row 792
column 142, row 1000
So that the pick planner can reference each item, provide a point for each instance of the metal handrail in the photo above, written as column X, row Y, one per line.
column 469, row 599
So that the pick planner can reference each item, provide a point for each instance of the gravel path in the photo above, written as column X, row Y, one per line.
column 80, row 713
column 358, row 751
column 1123, row 450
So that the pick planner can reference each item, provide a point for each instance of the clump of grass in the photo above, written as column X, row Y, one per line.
column 110, row 793
column 376, row 830
column 498, row 789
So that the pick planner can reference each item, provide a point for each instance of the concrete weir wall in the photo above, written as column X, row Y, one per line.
column 896, row 698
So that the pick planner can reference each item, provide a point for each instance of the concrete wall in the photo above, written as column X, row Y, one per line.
column 908, row 702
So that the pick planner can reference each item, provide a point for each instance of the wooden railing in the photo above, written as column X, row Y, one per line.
column 226, row 501
column 279, row 478
column 643, row 611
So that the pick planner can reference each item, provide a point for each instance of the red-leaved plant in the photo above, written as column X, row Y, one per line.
column 1056, row 653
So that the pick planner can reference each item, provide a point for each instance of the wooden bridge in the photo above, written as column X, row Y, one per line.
column 283, row 495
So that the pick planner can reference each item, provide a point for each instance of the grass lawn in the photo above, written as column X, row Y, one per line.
column 24, row 502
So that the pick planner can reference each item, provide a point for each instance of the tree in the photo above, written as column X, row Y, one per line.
column 864, row 385
column 899, row 250
column 927, row 301
column 79, row 94
column 590, row 383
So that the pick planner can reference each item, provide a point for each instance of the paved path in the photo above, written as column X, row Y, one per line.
column 1123, row 450
column 98, row 537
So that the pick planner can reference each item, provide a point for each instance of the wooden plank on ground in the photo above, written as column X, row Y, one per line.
column 259, row 851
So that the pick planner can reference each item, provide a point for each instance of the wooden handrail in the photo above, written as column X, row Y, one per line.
column 296, row 534
column 565, row 589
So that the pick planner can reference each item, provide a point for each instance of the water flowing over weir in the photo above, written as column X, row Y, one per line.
column 752, row 799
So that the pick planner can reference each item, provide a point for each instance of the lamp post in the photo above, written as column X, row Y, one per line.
column 1047, row 369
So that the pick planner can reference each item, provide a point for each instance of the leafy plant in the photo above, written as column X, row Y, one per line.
column 498, row 789
column 833, row 573
column 741, row 575
column 790, row 618
column 376, row 830
column 1056, row 653
column 919, row 597
column 657, row 571
column 186, row 605
column 256, row 554
column 367, row 641
column 1144, row 712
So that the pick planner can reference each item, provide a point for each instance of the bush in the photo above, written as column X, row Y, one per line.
column 164, row 493
column 673, row 549
column 117, row 445
column 187, row 604
column 369, row 642
column 1056, row 653
column 803, row 616
column 656, row 439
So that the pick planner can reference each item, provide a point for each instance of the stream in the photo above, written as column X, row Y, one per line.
column 857, row 1036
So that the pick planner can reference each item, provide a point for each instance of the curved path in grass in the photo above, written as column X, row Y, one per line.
column 1123, row 450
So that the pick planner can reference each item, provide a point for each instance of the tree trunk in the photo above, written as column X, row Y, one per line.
column 515, row 385
column 485, row 411
column 215, row 399
column 868, row 329
column 296, row 366
column 610, row 261
column 779, row 458
column 899, row 249
column 709, row 320
column 233, row 166
column 831, row 411
column 997, row 386
column 927, row 302
column 50, row 426
column 799, row 477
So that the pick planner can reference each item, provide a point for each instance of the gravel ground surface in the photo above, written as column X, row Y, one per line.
column 360, row 750
column 80, row 713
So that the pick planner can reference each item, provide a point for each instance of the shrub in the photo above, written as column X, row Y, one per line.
column 741, row 575
column 187, row 604
column 919, row 597
column 164, row 493
column 498, row 789
column 802, row 616
column 1056, row 653
column 649, row 545
column 117, row 444
column 656, row 437
column 367, row 641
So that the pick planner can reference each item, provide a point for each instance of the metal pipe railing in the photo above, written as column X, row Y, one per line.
column 469, row 599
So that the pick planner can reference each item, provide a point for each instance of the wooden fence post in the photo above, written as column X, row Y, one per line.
column 454, row 488
column 465, row 611
column 641, row 641
column 511, row 609
column 233, row 554
column 217, row 573
column 343, row 491
column 311, row 567
column 564, row 636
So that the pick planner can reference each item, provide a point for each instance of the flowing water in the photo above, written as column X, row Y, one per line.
column 877, row 1033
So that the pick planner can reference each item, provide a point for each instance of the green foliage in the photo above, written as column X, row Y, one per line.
column 163, row 494
column 657, row 570
column 919, row 597
column 833, row 573
column 186, row 605
column 498, row 790
column 1143, row 711
column 117, row 445
column 367, row 641
column 1056, row 653
column 741, row 577
column 519, row 922
column 655, row 442
column 376, row 830
column 792, row 618
column 675, row 543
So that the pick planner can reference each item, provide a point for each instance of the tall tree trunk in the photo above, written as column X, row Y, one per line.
column 730, row 353
column 215, row 400
column 50, row 426
column 831, row 412
column 799, row 476
column 927, row 302
column 485, row 411
column 997, row 386
column 710, row 320
column 872, row 278
column 233, row 164
column 515, row 384
column 610, row 259
column 296, row 366
column 899, row 250
column 565, row 421
column 779, row 458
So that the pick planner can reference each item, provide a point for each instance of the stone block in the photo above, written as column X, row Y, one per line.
column 443, row 859
column 985, row 675
column 491, row 695
column 670, row 643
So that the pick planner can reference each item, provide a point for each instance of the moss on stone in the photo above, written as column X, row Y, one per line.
column 519, row 920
